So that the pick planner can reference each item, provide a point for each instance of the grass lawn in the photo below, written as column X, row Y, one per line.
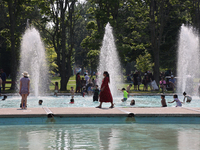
column 72, row 82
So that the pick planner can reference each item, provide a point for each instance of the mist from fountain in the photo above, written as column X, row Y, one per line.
column 188, row 60
column 33, row 60
column 109, row 61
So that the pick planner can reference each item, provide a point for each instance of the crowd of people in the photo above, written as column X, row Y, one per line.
column 136, row 79
column 167, row 81
column 89, row 85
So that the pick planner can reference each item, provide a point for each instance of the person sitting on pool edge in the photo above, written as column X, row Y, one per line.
column 163, row 101
column 187, row 97
column 125, row 94
column 178, row 102
column 132, row 102
column 71, row 101
column 40, row 102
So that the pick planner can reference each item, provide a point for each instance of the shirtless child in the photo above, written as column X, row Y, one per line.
column 129, row 88
column 163, row 101
column 72, row 92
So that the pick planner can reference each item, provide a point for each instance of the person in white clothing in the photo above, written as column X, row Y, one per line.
column 178, row 102
column 187, row 97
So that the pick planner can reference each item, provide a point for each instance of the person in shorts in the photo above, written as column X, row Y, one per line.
column 125, row 94
column 187, row 97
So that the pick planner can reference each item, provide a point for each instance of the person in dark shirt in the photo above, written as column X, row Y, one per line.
column 135, row 80
column 96, row 93
column 3, row 77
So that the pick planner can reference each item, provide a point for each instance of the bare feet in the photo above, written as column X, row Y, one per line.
column 112, row 106
column 98, row 107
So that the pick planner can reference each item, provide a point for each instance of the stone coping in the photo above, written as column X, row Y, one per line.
column 100, row 112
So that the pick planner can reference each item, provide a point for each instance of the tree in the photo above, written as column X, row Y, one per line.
column 143, row 62
column 16, row 12
column 63, row 16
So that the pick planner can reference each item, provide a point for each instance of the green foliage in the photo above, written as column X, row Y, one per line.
column 143, row 62
column 51, row 57
column 136, row 28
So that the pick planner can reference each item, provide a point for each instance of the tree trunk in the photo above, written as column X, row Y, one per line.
column 63, row 47
column 12, row 39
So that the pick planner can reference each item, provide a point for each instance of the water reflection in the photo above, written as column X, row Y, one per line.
column 109, row 137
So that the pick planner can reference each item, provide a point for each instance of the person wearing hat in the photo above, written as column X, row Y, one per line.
column 172, row 82
column 24, row 88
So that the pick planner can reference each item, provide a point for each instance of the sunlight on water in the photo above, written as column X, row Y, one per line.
column 63, row 101
column 95, row 136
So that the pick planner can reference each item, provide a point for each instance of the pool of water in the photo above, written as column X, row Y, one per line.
column 63, row 101
column 100, row 136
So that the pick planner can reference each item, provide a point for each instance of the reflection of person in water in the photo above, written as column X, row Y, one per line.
column 199, row 88
column 104, row 136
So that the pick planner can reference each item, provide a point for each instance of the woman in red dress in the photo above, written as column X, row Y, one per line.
column 105, row 94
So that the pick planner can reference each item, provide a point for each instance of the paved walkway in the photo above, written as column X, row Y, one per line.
column 95, row 112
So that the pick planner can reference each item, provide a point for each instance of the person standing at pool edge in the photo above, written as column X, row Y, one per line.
column 24, row 88
column 105, row 94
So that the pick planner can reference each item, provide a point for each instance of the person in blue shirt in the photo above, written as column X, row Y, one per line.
column 172, row 82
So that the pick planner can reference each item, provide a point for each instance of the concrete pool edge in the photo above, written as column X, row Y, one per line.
column 74, row 115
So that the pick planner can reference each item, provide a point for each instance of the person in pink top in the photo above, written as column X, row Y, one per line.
column 163, row 85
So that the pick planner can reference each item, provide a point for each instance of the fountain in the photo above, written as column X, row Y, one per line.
column 109, row 61
column 188, row 59
column 33, row 60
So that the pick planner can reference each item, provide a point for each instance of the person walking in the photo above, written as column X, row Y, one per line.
column 0, row 84
column 78, row 83
column 24, row 89
column 3, row 77
column 105, row 94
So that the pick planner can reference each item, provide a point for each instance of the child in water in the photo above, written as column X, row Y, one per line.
column 96, row 93
column 72, row 92
column 129, row 88
column 132, row 102
column 163, row 101
column 40, row 102
column 178, row 102
column 71, row 101
column 125, row 94
column 189, row 98
column 56, row 88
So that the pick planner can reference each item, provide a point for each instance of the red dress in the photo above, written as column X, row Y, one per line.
column 105, row 95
